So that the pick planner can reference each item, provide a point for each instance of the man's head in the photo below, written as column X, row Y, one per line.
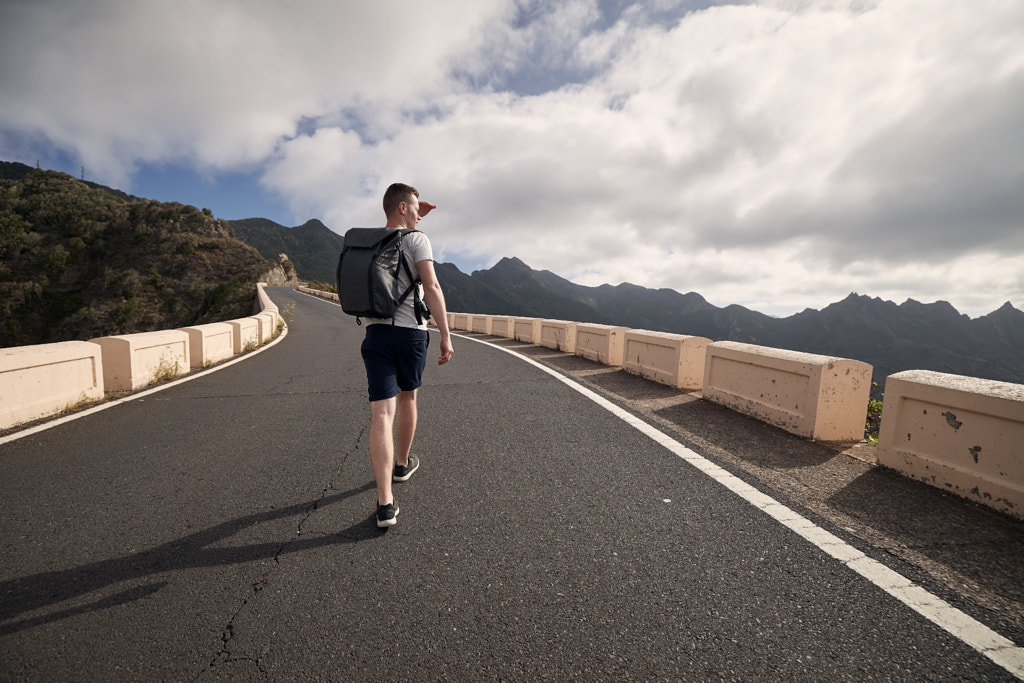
column 402, row 206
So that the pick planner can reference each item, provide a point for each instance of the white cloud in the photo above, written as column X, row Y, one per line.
column 775, row 154
column 219, row 84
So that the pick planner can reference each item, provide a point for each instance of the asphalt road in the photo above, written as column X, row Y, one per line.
column 222, row 529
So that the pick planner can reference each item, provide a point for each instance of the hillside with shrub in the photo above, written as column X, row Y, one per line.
column 79, row 261
column 312, row 246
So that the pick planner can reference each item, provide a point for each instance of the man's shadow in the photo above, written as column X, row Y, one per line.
column 25, row 594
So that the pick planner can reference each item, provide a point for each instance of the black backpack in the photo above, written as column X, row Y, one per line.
column 368, row 268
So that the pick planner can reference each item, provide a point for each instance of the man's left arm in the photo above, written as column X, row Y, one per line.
column 435, row 300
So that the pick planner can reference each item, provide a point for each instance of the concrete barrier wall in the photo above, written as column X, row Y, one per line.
column 263, row 301
column 480, row 323
column 503, row 326
column 329, row 296
column 275, row 319
column 265, row 305
column 601, row 343
column 673, row 359
column 43, row 379
column 960, row 434
column 266, row 326
column 211, row 343
column 558, row 334
column 817, row 397
column 462, row 321
column 246, row 333
column 132, row 361
column 527, row 330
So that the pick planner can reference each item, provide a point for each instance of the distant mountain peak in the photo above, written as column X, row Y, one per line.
column 312, row 247
column 1006, row 312
column 511, row 261
column 1007, row 308
column 510, row 266
column 854, row 297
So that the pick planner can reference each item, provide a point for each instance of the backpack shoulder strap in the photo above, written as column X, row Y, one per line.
column 414, row 278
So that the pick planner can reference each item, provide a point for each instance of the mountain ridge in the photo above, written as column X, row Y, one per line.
column 891, row 337
column 312, row 247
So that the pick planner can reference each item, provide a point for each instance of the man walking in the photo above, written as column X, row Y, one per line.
column 395, row 353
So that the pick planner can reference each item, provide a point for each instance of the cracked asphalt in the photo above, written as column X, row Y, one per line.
column 222, row 529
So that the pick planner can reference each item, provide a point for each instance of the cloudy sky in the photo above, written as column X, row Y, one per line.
column 777, row 154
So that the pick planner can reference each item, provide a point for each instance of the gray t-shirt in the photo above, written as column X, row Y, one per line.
column 416, row 246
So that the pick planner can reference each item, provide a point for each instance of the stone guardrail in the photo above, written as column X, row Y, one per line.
column 329, row 296
column 481, row 323
column 673, row 359
column 131, row 361
column 602, row 343
column 245, row 334
column 558, row 334
column 961, row 434
column 524, row 330
column 42, row 380
column 927, row 421
column 502, row 326
column 816, row 397
column 210, row 343
column 813, row 396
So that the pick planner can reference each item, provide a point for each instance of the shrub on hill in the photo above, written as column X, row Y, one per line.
column 80, row 261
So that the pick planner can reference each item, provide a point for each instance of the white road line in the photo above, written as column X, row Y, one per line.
column 1000, row 650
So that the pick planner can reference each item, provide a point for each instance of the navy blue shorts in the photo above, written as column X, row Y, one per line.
column 394, row 358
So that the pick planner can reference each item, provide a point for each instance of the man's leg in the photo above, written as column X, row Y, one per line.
column 382, row 446
column 406, row 425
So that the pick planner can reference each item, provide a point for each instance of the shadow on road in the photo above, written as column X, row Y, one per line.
column 745, row 437
column 29, row 593
column 977, row 546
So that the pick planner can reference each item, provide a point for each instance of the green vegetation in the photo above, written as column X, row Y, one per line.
column 166, row 370
column 79, row 261
column 874, row 418
column 82, row 402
